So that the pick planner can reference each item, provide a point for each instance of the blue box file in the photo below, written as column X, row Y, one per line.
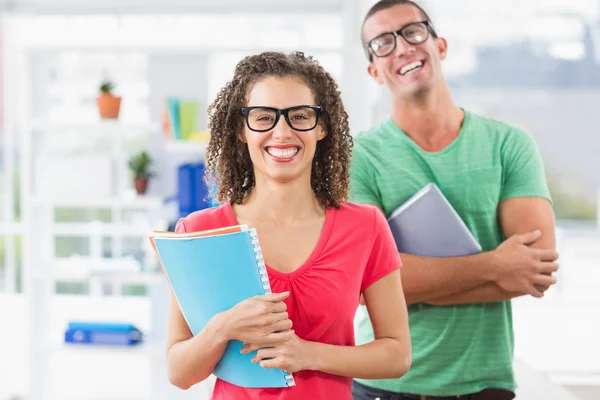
column 192, row 192
column 103, row 333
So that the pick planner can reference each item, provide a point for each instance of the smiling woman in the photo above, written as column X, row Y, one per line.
column 280, row 154
column 288, row 151
column 293, row 80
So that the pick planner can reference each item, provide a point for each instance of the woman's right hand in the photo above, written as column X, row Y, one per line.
column 260, row 320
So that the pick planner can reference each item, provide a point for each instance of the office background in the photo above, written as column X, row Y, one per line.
column 73, row 229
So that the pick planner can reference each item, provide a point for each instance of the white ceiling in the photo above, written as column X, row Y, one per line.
column 170, row 6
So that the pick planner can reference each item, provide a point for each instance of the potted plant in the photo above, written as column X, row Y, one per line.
column 109, row 105
column 140, row 167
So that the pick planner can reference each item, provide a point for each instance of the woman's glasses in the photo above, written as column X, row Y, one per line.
column 299, row 118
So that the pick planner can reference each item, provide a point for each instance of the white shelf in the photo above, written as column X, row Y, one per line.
column 12, row 228
column 139, row 278
column 137, row 202
column 100, row 126
column 145, row 349
column 148, row 347
column 126, row 278
column 97, row 228
column 188, row 147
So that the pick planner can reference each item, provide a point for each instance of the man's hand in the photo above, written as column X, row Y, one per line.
column 291, row 355
column 524, row 269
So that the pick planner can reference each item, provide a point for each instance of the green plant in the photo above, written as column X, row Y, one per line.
column 107, row 86
column 140, row 165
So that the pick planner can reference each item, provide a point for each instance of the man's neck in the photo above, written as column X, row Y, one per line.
column 433, row 121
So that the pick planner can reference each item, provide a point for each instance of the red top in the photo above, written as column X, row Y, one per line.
column 355, row 249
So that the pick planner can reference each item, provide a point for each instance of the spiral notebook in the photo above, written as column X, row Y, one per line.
column 210, row 272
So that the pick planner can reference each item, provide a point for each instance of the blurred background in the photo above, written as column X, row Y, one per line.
column 76, row 207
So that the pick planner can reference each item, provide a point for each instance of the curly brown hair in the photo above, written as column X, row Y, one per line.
column 228, row 164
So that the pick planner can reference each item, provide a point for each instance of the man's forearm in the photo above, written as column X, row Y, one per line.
column 381, row 358
column 428, row 278
column 486, row 293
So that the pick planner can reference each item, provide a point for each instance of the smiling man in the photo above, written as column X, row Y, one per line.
column 459, row 307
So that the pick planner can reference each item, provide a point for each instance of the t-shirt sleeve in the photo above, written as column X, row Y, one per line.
column 384, row 257
column 362, row 179
column 523, row 168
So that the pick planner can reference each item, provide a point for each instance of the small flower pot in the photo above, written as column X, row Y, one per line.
column 141, row 185
column 108, row 106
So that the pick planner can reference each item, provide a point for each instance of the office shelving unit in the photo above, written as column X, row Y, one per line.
column 106, row 268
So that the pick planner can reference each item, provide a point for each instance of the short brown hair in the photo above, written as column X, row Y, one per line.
column 228, row 163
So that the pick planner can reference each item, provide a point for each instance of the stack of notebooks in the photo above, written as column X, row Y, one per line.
column 210, row 272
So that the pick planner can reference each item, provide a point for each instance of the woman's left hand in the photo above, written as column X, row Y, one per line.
column 292, row 356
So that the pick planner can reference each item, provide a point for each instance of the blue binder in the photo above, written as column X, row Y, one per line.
column 118, row 334
column 211, row 274
column 192, row 192
column 185, row 189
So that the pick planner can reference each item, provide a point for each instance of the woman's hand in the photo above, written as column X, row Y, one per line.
column 262, row 320
column 292, row 355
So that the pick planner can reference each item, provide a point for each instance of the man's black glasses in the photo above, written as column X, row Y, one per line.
column 384, row 44
column 299, row 118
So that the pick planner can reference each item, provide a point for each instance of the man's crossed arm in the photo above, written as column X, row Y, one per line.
column 521, row 265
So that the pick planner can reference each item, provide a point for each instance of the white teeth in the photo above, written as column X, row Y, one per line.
column 410, row 67
column 282, row 153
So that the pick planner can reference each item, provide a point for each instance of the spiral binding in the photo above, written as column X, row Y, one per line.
column 264, row 278
column 289, row 379
column 260, row 262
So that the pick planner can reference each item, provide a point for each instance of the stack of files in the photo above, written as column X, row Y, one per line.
column 180, row 118
column 188, row 118
column 210, row 272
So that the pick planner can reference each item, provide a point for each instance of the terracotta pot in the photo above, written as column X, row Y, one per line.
column 141, row 185
column 108, row 106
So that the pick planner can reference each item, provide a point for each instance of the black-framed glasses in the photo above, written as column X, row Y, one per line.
column 414, row 33
column 299, row 118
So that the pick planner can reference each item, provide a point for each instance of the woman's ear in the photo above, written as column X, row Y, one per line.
column 321, row 134
column 242, row 137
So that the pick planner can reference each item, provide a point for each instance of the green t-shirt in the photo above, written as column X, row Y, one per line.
column 464, row 348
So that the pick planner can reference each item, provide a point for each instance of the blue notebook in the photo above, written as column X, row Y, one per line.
column 210, row 272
